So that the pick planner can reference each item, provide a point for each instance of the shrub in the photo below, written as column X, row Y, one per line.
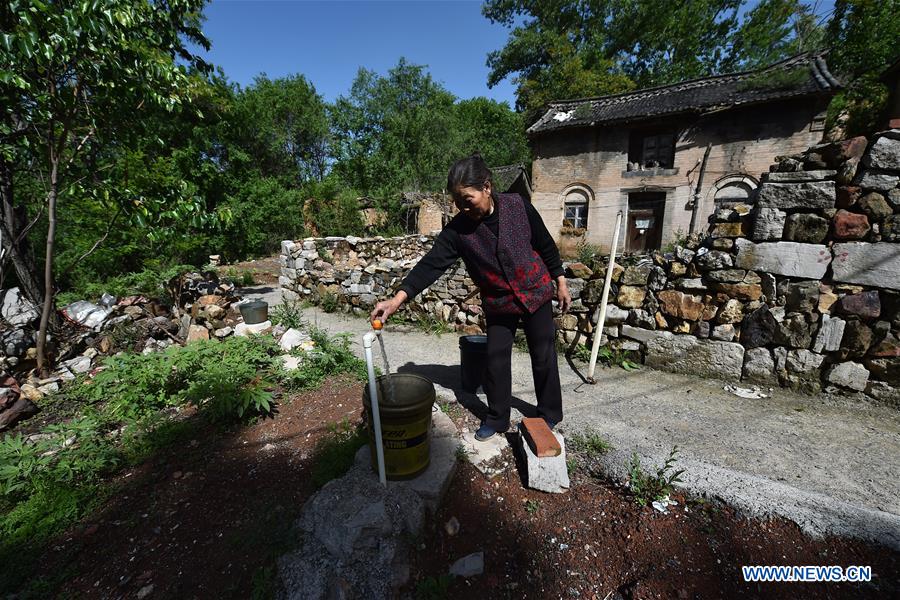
column 289, row 314
column 331, row 355
column 329, row 302
column 586, row 252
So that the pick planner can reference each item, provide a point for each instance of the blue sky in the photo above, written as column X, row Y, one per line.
column 327, row 41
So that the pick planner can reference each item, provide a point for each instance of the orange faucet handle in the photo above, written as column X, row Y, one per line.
column 377, row 324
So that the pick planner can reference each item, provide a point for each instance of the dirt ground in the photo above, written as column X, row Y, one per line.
column 208, row 517
column 596, row 542
column 264, row 270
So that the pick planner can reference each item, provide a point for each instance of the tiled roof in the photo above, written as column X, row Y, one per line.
column 767, row 84
column 512, row 178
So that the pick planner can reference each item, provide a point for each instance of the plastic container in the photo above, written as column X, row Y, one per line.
column 472, row 361
column 255, row 311
column 405, row 424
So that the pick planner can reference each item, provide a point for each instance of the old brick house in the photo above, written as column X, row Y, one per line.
column 667, row 156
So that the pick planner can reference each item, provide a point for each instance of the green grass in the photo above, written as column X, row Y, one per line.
column 590, row 443
column 433, row 588
column 329, row 302
column 607, row 356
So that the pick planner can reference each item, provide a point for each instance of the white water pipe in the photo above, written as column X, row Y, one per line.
column 368, row 339
column 601, row 320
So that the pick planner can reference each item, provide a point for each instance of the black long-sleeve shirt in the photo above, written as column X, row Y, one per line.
column 445, row 251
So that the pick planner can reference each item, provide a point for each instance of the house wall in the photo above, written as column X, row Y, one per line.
column 743, row 142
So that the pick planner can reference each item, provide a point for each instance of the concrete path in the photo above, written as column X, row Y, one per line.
column 830, row 464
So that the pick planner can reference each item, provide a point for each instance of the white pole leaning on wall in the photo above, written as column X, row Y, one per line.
column 598, row 327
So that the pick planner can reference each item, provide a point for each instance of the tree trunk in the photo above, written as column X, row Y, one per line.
column 49, row 296
column 14, row 221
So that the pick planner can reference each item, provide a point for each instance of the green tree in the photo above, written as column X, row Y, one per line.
column 75, row 80
column 492, row 128
column 570, row 49
column 864, row 38
column 283, row 125
column 396, row 132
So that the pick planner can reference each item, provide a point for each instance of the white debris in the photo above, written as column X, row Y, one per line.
column 294, row 338
column 749, row 393
column 663, row 504
column 87, row 314
column 16, row 309
column 563, row 115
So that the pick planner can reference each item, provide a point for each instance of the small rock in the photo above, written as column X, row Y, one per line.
column 874, row 205
column 630, row 296
column 864, row 304
column 197, row 333
column 452, row 526
column 731, row 312
column 850, row 375
column 145, row 591
column 805, row 227
column 468, row 566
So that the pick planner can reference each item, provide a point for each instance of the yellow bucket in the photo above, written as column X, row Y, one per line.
column 405, row 424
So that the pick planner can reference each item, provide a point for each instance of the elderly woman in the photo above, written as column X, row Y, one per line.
column 510, row 255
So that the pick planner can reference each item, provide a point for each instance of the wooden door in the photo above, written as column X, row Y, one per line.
column 645, row 219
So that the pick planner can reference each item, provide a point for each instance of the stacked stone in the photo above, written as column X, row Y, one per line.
column 800, row 291
column 358, row 272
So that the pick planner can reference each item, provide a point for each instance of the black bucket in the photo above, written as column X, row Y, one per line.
column 472, row 361
column 255, row 311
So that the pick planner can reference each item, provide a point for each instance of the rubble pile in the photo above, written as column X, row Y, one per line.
column 89, row 331
column 800, row 289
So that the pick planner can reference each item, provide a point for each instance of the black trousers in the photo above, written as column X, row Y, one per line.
column 540, row 332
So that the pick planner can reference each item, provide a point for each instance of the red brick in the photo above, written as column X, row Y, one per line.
column 850, row 226
column 539, row 437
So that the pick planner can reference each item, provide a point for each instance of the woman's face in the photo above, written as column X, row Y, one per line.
column 472, row 202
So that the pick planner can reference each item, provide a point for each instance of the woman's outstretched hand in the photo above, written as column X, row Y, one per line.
column 386, row 308
column 562, row 294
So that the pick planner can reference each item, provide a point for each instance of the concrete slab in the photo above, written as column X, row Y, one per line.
column 483, row 454
column 432, row 484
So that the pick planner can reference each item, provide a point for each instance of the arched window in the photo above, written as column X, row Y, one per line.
column 734, row 189
column 575, row 208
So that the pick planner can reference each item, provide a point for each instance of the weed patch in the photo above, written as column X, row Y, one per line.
column 648, row 488
column 289, row 314
column 433, row 588
column 590, row 443
column 124, row 415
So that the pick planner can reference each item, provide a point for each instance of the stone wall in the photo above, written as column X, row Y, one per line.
column 357, row 272
column 802, row 290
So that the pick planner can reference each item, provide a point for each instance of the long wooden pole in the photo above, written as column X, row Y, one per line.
column 598, row 328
